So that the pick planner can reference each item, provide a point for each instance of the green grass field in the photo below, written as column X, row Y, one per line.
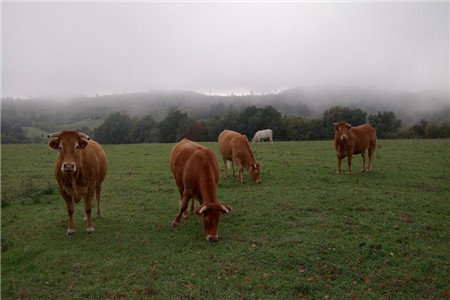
column 305, row 232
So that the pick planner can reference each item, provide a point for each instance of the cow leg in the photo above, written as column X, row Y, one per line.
column 363, row 154
column 70, row 211
column 88, row 210
column 185, row 214
column 232, row 167
column 98, row 192
column 225, row 166
column 339, row 164
column 349, row 161
column 241, row 172
column 184, row 201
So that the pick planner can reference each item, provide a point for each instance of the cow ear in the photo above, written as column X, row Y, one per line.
column 199, row 210
column 336, row 126
column 82, row 143
column 54, row 144
column 348, row 126
column 226, row 208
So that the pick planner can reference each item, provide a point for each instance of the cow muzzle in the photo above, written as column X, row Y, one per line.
column 212, row 238
column 69, row 167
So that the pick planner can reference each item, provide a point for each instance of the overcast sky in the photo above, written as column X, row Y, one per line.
column 104, row 48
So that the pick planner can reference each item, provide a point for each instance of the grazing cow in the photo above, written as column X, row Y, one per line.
column 196, row 174
column 350, row 140
column 79, row 170
column 261, row 135
column 234, row 147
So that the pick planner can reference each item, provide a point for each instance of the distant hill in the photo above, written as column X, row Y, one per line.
column 55, row 114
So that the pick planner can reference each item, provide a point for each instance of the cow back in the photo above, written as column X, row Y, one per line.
column 232, row 143
column 193, row 166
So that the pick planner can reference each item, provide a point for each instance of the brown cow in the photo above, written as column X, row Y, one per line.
column 196, row 174
column 350, row 140
column 79, row 170
column 234, row 147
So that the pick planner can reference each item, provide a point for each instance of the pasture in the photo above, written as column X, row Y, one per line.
column 304, row 232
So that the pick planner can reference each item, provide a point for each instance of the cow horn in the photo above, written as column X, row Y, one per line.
column 202, row 210
column 83, row 135
column 54, row 134
column 225, row 209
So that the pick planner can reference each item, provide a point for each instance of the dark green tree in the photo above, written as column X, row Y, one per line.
column 214, row 127
column 144, row 130
column 295, row 128
column 173, row 126
column 386, row 124
column 115, row 129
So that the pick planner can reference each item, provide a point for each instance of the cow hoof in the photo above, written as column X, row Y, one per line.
column 90, row 230
column 70, row 232
column 212, row 238
column 337, row 172
column 186, row 215
column 174, row 224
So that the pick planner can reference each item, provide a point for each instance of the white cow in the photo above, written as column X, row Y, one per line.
column 262, row 135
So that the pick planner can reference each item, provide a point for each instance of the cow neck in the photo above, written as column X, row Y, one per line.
column 249, row 159
column 341, row 144
column 208, row 188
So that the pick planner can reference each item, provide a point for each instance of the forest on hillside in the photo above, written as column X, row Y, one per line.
column 162, row 116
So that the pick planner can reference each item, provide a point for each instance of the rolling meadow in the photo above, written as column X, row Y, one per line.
column 305, row 232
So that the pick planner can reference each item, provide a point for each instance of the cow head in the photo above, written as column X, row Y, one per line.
column 68, row 143
column 341, row 131
column 254, row 172
column 210, row 213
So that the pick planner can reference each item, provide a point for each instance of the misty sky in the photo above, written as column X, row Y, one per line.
column 62, row 49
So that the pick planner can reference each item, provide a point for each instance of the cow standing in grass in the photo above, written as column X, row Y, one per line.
column 262, row 135
column 196, row 174
column 79, row 170
column 350, row 140
column 234, row 147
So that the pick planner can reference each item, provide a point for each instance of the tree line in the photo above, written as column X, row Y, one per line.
column 121, row 128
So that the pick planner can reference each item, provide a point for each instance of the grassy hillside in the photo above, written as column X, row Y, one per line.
column 304, row 232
